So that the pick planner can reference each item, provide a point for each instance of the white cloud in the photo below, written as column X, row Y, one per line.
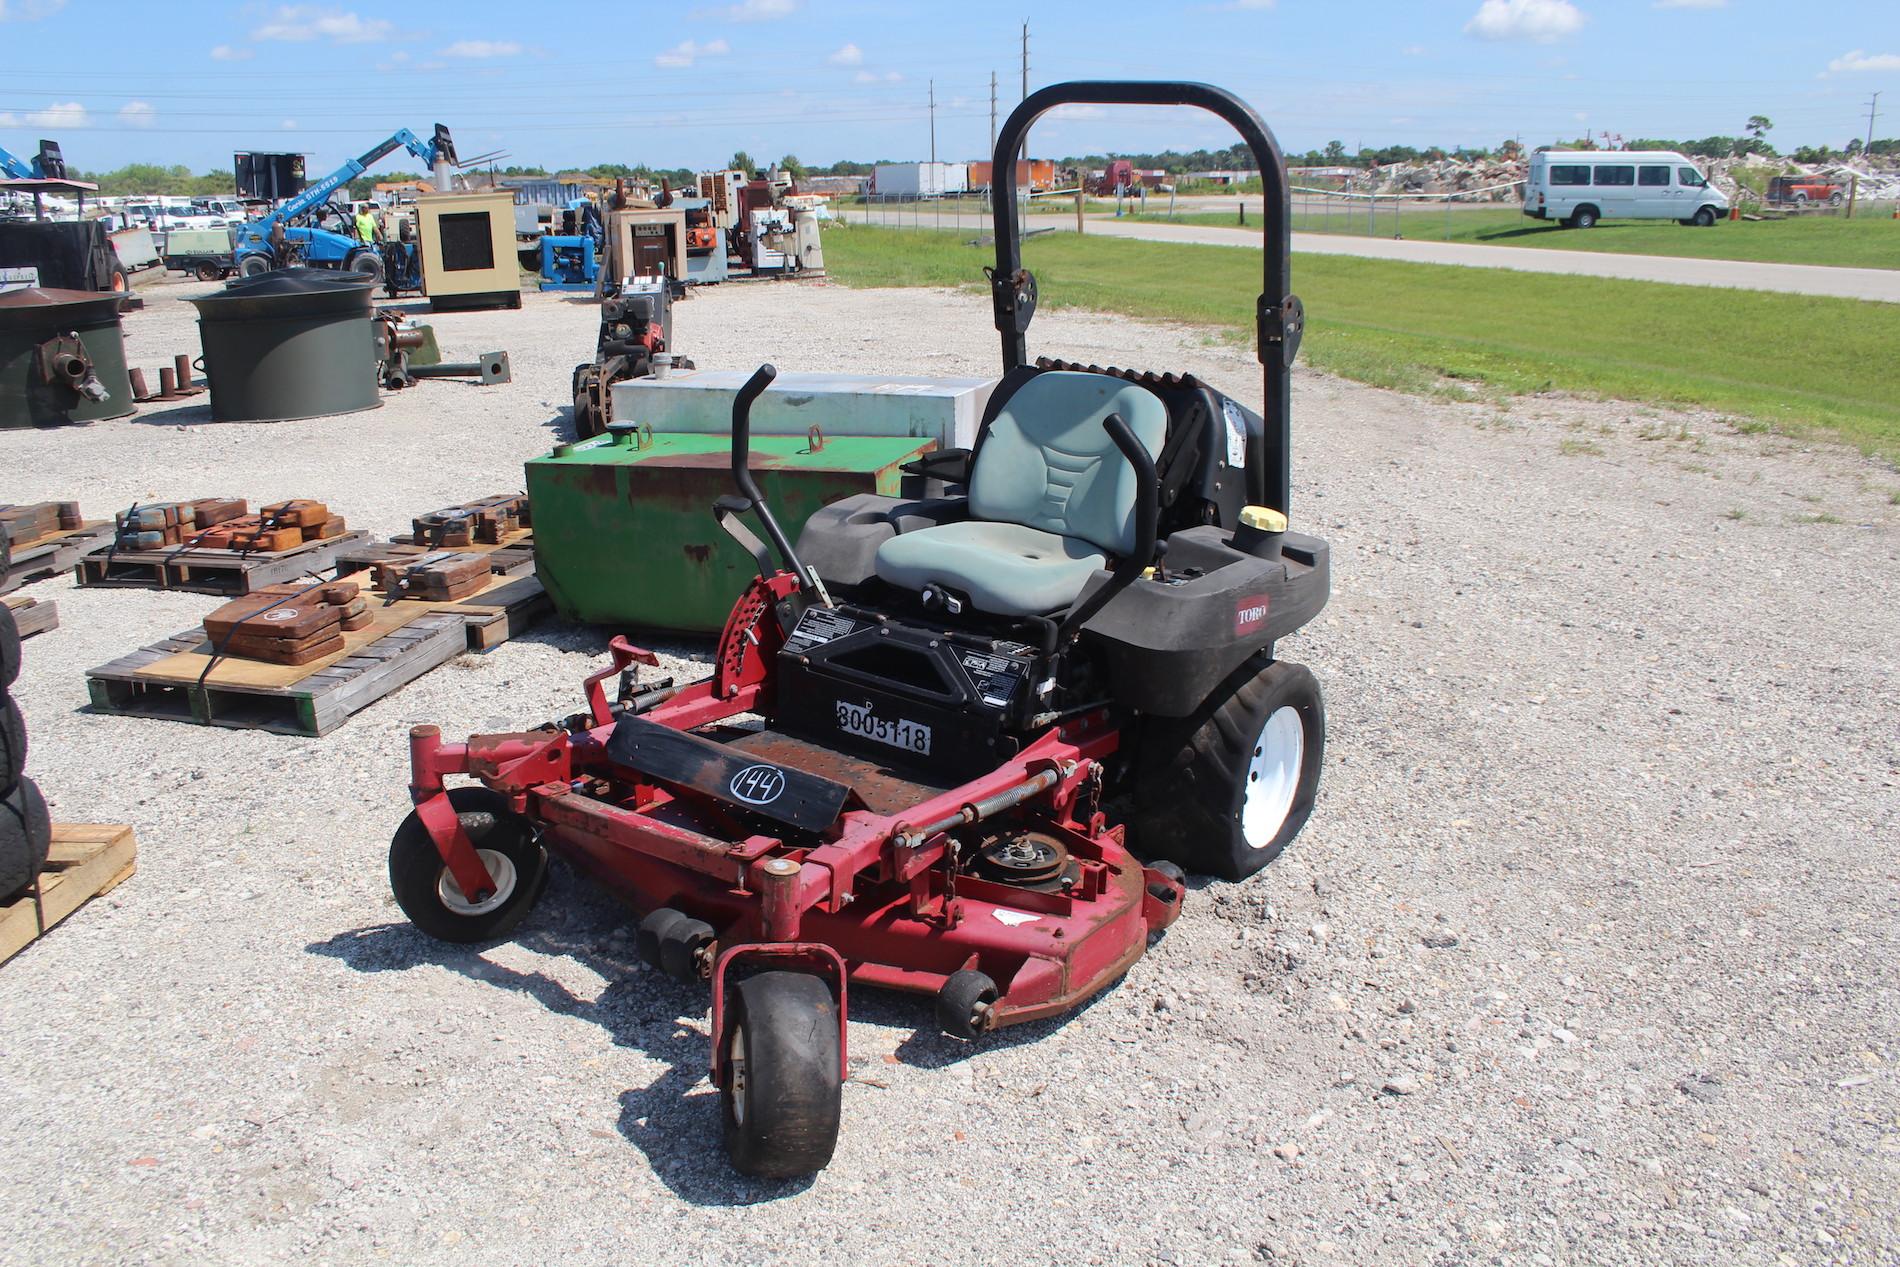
column 482, row 48
column 686, row 52
column 138, row 114
column 1540, row 21
column 1689, row 4
column 751, row 11
column 849, row 55
column 225, row 53
column 288, row 125
column 1415, row 50
column 298, row 23
column 1076, row 112
column 59, row 114
column 1249, row 4
column 29, row 10
column 873, row 77
column 1862, row 60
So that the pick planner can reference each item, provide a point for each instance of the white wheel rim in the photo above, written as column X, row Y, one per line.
column 735, row 1061
column 500, row 870
column 1273, row 776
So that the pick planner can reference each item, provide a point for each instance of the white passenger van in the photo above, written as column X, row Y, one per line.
column 1581, row 187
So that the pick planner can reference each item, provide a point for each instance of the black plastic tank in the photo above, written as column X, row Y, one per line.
column 62, row 358
column 293, row 343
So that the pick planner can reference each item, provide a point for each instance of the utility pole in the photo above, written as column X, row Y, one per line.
column 1872, row 114
column 933, row 123
column 1027, row 152
column 992, row 117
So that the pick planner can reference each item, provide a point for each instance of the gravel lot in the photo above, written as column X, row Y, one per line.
column 1588, row 954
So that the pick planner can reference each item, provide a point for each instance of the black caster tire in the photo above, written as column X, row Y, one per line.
column 1222, row 791
column 964, row 1003
column 26, row 833
column 9, row 627
column 680, row 945
column 781, row 1097
column 428, row 894
column 12, row 744
column 652, row 929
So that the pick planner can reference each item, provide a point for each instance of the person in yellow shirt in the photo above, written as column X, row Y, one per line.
column 367, row 229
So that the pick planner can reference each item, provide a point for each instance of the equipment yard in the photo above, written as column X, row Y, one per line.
column 1589, row 951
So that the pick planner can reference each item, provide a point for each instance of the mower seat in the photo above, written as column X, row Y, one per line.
column 1051, row 497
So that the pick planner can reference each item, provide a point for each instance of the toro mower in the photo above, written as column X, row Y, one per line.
column 941, row 733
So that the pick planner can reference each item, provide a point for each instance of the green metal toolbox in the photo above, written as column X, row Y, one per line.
column 623, row 525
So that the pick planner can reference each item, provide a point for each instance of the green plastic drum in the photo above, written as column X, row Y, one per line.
column 293, row 343
column 41, row 382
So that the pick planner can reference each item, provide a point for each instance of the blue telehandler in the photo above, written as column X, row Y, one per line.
column 278, row 239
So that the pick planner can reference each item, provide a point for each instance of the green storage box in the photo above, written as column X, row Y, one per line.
column 624, row 534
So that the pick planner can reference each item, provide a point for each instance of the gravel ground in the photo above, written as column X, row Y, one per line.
column 1587, row 955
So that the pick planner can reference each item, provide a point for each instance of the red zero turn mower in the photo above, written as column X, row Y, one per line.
column 979, row 707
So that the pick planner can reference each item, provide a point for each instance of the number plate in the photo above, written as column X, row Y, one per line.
column 860, row 720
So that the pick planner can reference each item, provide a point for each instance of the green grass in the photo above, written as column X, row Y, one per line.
column 1867, row 241
column 1793, row 362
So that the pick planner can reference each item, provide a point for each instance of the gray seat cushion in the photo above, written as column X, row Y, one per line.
column 1050, row 498
column 1005, row 569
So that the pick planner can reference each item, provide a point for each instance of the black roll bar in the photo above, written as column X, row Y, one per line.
column 1279, row 318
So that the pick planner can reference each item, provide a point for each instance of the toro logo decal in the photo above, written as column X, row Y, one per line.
column 758, row 784
column 1250, row 613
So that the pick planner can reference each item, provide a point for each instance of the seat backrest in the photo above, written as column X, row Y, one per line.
column 1046, row 463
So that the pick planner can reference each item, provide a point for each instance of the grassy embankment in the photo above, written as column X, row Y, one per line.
column 1794, row 362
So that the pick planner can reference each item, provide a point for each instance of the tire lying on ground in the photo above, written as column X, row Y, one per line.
column 12, row 744
column 26, row 832
column 9, row 646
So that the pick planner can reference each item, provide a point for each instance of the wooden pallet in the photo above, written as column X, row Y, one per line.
column 30, row 615
column 406, row 639
column 51, row 555
column 83, row 862
column 201, row 571
column 513, row 555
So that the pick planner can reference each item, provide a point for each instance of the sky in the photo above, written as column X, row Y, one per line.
column 685, row 84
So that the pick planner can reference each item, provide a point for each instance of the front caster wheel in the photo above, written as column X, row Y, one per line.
column 681, row 945
column 427, row 892
column 964, row 1003
column 781, row 1092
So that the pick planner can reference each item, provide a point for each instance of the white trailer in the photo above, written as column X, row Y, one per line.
column 920, row 180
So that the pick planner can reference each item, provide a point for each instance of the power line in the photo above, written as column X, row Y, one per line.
column 1872, row 114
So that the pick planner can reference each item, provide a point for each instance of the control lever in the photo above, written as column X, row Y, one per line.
column 755, row 386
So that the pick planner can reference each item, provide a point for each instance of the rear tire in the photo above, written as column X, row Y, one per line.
column 782, row 1094
column 26, row 833
column 12, row 745
column 1224, row 789
column 428, row 894
column 208, row 272
column 1583, row 218
column 365, row 264
column 253, row 265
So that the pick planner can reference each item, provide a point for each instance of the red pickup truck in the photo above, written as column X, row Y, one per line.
column 1801, row 190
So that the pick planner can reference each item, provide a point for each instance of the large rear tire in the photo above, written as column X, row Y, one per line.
column 782, row 1093
column 428, row 893
column 253, row 265
column 1583, row 218
column 365, row 263
column 1224, row 789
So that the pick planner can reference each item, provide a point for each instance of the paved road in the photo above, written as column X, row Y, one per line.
column 1879, row 284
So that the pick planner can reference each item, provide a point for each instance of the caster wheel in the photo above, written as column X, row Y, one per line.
column 428, row 893
column 680, row 945
column 963, row 1005
column 652, row 929
column 781, row 1095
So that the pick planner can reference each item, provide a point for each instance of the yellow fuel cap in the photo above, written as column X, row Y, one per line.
column 1262, row 519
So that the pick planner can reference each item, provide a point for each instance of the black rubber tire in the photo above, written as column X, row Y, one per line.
column 12, row 745
column 783, row 1026
column 1583, row 218
column 119, row 283
column 680, row 945
column 253, row 265
column 9, row 646
column 206, row 271
column 6, row 549
column 365, row 263
column 963, row 1002
column 652, row 929
column 26, row 833
column 1836, row 198
column 1800, row 198
column 1704, row 218
column 416, row 869
column 1192, row 775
